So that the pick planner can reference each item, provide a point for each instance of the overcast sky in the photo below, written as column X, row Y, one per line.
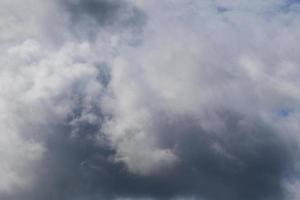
column 149, row 100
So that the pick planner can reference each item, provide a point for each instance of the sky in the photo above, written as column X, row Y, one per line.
column 149, row 100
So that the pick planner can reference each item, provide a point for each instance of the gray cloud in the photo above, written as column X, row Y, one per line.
column 142, row 99
column 90, row 16
column 249, row 163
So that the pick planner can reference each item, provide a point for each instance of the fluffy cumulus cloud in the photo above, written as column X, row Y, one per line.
column 146, row 100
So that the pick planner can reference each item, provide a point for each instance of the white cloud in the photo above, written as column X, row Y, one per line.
column 199, row 65
column 38, row 88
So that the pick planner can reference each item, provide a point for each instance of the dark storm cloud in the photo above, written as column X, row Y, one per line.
column 244, row 163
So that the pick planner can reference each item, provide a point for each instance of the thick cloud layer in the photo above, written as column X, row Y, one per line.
column 133, row 99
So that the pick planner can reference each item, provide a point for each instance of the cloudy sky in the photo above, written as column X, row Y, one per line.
column 149, row 100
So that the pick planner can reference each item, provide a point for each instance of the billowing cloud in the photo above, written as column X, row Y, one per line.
column 133, row 99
